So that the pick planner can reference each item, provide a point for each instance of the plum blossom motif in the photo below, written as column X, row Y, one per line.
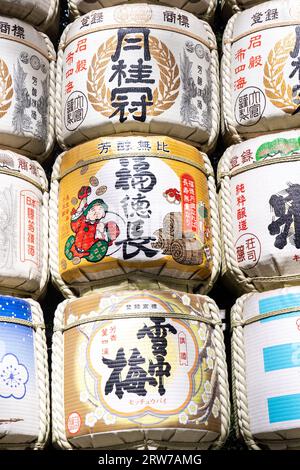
column 13, row 377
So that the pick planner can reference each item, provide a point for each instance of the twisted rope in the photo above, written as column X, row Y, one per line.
column 51, row 99
column 41, row 363
column 228, row 124
column 215, row 92
column 59, row 437
column 240, row 399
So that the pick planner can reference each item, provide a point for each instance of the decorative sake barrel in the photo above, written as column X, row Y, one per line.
column 24, row 381
column 139, row 369
column 126, row 206
column 205, row 8
column 233, row 6
column 27, row 89
column 41, row 14
column 23, row 225
column 138, row 68
column 260, row 75
column 260, row 211
column 266, row 366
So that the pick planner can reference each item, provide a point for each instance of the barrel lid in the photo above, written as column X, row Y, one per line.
column 22, row 167
column 266, row 15
column 134, row 145
column 139, row 15
column 23, row 33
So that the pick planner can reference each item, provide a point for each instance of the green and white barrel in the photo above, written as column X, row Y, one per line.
column 260, row 209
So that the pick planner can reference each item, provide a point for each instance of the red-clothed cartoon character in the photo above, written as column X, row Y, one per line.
column 173, row 196
column 92, row 237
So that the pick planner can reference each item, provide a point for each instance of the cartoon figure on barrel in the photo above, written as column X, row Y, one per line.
column 92, row 236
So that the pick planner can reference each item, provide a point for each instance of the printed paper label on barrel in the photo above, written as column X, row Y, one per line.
column 136, row 74
column 19, row 405
column 137, row 210
column 265, row 216
column 151, row 371
column 24, row 83
column 265, row 68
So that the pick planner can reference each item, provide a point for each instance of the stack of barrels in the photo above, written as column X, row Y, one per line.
column 137, row 229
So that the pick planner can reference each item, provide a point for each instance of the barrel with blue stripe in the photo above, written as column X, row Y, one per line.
column 266, row 376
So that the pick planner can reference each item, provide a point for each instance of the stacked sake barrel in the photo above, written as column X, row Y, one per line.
column 27, row 93
column 138, row 353
column 259, row 204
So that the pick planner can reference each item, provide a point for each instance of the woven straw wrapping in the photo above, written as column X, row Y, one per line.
column 123, row 437
column 85, row 134
column 41, row 14
column 42, row 381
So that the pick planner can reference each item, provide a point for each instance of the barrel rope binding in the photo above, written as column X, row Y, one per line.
column 52, row 104
column 215, row 92
column 57, row 384
column 229, row 122
column 239, row 375
column 43, row 375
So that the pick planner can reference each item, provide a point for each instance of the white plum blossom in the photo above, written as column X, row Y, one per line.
column 206, row 396
column 216, row 407
column 183, row 418
column 71, row 319
column 90, row 419
column 84, row 396
column 186, row 300
column 109, row 419
column 13, row 377
column 192, row 408
column 211, row 355
column 202, row 332
column 99, row 412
